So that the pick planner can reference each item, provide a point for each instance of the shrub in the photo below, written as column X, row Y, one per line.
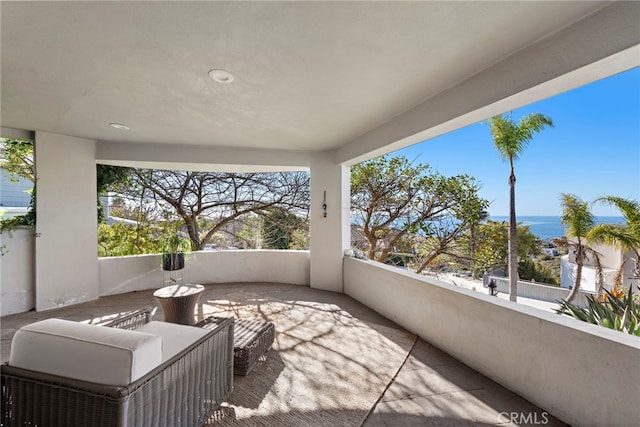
column 617, row 311
column 122, row 239
column 529, row 269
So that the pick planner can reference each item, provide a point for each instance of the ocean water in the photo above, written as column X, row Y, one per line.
column 548, row 227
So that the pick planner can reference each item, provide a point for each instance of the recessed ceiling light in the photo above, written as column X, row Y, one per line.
column 119, row 126
column 221, row 76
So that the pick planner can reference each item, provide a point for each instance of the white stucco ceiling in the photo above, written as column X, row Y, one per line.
column 308, row 75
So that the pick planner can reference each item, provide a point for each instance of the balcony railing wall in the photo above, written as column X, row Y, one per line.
column 17, row 273
column 556, row 362
column 132, row 273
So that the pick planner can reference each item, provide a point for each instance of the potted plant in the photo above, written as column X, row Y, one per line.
column 173, row 252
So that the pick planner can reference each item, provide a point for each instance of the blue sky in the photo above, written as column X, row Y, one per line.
column 593, row 150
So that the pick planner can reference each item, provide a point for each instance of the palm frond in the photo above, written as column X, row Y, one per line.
column 532, row 123
column 576, row 215
column 511, row 138
column 630, row 209
column 614, row 235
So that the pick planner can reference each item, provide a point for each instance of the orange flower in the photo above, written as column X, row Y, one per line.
column 618, row 292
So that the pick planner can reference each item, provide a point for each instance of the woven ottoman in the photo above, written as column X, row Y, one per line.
column 251, row 339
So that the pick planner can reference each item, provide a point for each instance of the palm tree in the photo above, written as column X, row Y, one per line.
column 510, row 139
column 625, row 237
column 579, row 221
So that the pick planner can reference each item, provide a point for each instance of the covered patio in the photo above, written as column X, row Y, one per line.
column 334, row 362
column 314, row 86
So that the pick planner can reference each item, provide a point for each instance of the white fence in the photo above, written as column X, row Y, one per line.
column 538, row 291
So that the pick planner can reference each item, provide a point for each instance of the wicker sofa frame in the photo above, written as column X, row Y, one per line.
column 182, row 392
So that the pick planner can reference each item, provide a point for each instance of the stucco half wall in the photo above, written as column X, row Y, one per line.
column 133, row 273
column 583, row 374
column 17, row 281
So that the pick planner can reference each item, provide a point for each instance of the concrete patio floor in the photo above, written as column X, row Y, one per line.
column 420, row 385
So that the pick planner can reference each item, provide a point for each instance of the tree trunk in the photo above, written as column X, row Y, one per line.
column 384, row 254
column 576, row 285
column 579, row 258
column 513, row 240
column 472, row 236
column 373, row 245
column 387, row 250
column 426, row 263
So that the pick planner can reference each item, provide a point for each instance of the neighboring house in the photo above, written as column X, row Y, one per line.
column 550, row 249
column 14, row 196
column 610, row 259
column 110, row 220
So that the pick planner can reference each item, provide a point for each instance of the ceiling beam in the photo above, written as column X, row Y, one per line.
column 200, row 158
column 17, row 133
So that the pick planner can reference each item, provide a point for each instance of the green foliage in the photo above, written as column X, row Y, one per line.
column 299, row 239
column 576, row 216
column 106, row 177
column 624, row 236
column 621, row 313
column 578, row 221
column 276, row 236
column 122, row 239
column 492, row 240
column 174, row 243
column 27, row 220
column 532, row 270
column 551, row 265
column 17, row 160
column 392, row 198
column 511, row 138
column 17, row 156
column 491, row 245
column 250, row 235
column 224, row 198
column 278, row 229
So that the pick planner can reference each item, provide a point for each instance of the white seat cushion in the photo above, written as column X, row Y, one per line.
column 85, row 352
column 175, row 337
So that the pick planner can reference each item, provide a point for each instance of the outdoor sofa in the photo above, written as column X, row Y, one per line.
column 134, row 372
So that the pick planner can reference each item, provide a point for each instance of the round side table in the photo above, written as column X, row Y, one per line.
column 178, row 302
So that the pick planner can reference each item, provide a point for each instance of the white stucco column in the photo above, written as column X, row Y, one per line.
column 66, row 262
column 330, row 235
